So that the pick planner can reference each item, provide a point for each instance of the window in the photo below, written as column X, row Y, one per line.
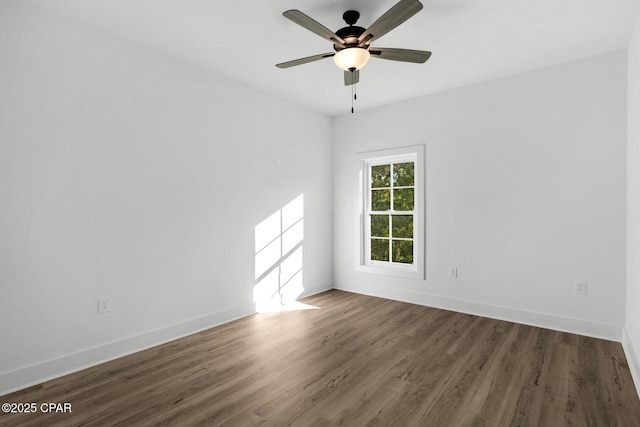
column 392, row 213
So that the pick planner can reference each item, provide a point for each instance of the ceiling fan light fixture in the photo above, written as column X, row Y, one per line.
column 352, row 58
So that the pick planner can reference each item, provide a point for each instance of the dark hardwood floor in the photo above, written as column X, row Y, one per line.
column 352, row 361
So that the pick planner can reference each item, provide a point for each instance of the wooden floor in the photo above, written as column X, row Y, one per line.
column 352, row 361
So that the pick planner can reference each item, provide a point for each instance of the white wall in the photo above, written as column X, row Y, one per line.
column 525, row 180
column 631, row 339
column 124, row 173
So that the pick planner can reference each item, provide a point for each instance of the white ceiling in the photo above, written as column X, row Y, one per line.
column 471, row 41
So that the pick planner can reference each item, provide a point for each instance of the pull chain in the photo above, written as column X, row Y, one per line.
column 354, row 95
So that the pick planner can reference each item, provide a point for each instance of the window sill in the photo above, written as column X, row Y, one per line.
column 396, row 270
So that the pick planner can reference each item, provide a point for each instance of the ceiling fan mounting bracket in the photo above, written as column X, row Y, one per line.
column 351, row 16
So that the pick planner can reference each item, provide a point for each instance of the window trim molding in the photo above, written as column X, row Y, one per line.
column 416, row 270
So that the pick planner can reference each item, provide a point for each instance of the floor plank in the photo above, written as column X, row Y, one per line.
column 354, row 360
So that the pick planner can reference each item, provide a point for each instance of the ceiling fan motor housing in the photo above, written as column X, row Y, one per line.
column 351, row 33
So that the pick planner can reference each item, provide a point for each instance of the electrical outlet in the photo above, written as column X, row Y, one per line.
column 104, row 305
column 453, row 272
column 580, row 287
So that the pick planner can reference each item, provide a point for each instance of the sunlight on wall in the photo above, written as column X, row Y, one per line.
column 278, row 258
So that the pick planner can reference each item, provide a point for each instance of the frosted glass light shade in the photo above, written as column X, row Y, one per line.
column 353, row 57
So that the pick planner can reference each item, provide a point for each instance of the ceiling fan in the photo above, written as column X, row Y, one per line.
column 352, row 43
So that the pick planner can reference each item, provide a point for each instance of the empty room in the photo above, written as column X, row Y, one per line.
column 320, row 213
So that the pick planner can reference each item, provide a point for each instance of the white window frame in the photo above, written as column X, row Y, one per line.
column 396, row 155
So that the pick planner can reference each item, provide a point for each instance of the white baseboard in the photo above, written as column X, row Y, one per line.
column 315, row 292
column 35, row 374
column 633, row 359
column 542, row 320
column 44, row 371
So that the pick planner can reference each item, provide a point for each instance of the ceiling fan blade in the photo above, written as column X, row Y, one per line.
column 404, row 55
column 314, row 26
column 351, row 77
column 393, row 17
column 305, row 60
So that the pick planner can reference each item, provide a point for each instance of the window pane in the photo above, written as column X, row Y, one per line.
column 379, row 250
column 403, row 199
column 402, row 251
column 402, row 226
column 380, row 176
column 380, row 200
column 403, row 174
column 379, row 225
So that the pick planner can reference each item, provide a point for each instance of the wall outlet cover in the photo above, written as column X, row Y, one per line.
column 104, row 305
column 580, row 287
